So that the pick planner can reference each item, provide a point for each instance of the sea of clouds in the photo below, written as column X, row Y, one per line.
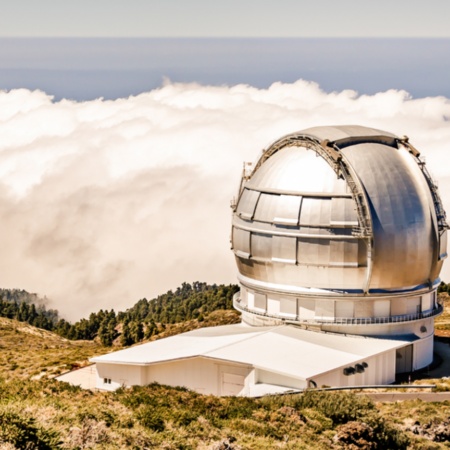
column 105, row 202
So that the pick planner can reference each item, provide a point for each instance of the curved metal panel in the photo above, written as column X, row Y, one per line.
column 341, row 211
column 247, row 204
column 402, row 226
column 297, row 170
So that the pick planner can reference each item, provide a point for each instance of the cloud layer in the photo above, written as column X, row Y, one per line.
column 105, row 202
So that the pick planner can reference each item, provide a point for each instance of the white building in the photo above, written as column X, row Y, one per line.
column 251, row 361
column 339, row 236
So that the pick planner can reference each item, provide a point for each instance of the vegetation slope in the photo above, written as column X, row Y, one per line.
column 38, row 412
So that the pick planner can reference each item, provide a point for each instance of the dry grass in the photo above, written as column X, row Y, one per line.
column 26, row 351
column 165, row 418
column 442, row 323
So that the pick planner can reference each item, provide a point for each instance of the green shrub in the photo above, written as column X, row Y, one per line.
column 23, row 433
column 340, row 407
column 149, row 418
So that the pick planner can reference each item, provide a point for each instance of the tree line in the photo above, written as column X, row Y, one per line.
column 142, row 321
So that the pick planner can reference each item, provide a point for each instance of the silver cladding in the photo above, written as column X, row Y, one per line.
column 295, row 218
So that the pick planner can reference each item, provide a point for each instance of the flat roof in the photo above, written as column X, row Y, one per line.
column 284, row 349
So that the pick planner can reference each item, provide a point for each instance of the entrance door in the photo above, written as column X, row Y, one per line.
column 403, row 361
column 232, row 384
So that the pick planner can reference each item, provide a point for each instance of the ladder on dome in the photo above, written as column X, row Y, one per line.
column 438, row 206
column 331, row 153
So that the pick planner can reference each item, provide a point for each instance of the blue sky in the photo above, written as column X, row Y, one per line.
column 231, row 18
column 84, row 69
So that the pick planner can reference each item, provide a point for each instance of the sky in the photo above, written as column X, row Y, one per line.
column 122, row 135
column 86, row 69
column 104, row 202
column 233, row 18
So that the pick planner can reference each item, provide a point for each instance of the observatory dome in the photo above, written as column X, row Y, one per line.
column 336, row 223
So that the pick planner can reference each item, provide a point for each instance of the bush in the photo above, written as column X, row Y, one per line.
column 23, row 433
column 340, row 407
column 150, row 419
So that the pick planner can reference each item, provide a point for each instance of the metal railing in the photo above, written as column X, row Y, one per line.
column 341, row 320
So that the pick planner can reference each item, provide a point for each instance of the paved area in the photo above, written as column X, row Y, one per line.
column 86, row 377
column 442, row 348
column 401, row 396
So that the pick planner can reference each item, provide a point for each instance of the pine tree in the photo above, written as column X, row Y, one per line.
column 126, row 338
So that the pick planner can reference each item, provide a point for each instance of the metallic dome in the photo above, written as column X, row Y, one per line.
column 344, row 208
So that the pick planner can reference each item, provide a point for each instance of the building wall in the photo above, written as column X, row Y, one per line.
column 295, row 307
column 380, row 370
column 203, row 375
column 112, row 376
column 404, row 311
column 209, row 376
column 264, row 376
column 423, row 353
column 422, row 328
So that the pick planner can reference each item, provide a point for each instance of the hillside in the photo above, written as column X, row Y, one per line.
column 194, row 305
column 27, row 351
column 46, row 414
column 38, row 412
column 442, row 323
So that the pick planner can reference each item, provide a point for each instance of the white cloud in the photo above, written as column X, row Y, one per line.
column 105, row 202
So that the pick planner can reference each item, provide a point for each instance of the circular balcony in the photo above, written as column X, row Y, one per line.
column 340, row 320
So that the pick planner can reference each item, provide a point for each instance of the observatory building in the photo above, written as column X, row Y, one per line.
column 341, row 229
column 339, row 236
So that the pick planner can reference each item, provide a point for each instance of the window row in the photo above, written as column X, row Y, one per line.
column 294, row 250
column 297, row 210
column 315, row 308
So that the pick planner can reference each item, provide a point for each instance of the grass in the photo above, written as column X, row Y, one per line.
column 50, row 414
column 442, row 322
column 161, row 417
column 26, row 351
